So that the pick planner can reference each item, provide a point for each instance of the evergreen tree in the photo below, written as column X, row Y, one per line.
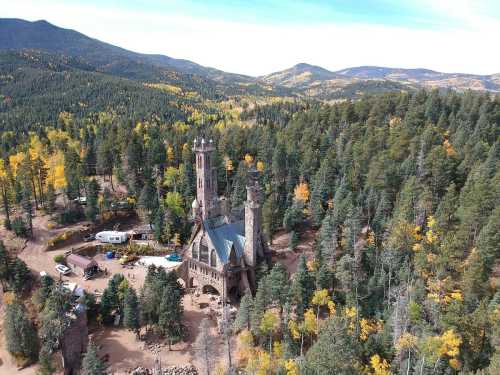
column 91, row 208
column 20, row 335
column 260, row 304
column 4, row 265
column 131, row 313
column 92, row 364
column 278, row 286
column 335, row 352
column 45, row 362
column 110, row 300
column 148, row 199
column 20, row 275
column 243, row 317
column 170, row 315
column 302, row 287
column 28, row 205
column 50, row 199
column 293, row 240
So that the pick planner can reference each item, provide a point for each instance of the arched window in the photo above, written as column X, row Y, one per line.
column 194, row 251
column 233, row 260
column 203, row 253
column 213, row 258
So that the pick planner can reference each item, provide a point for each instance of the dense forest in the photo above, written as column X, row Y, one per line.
column 402, row 190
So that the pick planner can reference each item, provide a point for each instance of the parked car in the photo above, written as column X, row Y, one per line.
column 128, row 258
column 62, row 269
column 121, row 205
column 89, row 237
column 81, row 200
column 173, row 257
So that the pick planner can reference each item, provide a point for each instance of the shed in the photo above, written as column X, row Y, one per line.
column 143, row 232
column 81, row 265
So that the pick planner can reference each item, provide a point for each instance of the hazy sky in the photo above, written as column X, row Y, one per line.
column 260, row 36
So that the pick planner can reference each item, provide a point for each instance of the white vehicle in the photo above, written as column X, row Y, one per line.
column 112, row 236
column 80, row 200
column 62, row 269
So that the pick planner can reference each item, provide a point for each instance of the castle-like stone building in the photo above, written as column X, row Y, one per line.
column 223, row 252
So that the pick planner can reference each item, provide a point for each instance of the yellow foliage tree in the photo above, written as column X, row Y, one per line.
column 55, row 170
column 320, row 298
column 170, row 153
column 302, row 192
column 269, row 325
column 245, row 347
column 260, row 166
column 369, row 327
column 406, row 341
column 310, row 326
column 248, row 159
column 229, row 164
column 291, row 367
column 380, row 366
column 332, row 308
column 370, row 239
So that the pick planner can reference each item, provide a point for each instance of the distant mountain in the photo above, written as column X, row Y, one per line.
column 426, row 78
column 40, row 42
column 300, row 75
column 17, row 34
column 315, row 81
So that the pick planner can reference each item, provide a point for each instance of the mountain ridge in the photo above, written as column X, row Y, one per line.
column 302, row 79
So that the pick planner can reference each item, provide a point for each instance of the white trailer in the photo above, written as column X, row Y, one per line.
column 111, row 236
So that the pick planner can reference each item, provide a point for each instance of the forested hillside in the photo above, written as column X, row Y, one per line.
column 403, row 190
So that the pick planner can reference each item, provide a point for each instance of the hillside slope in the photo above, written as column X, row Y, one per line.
column 19, row 34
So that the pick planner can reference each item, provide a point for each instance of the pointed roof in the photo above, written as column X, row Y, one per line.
column 224, row 236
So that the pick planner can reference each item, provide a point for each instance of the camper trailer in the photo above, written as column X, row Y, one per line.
column 112, row 237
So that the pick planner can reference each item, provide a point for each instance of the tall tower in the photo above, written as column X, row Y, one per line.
column 253, row 219
column 206, row 178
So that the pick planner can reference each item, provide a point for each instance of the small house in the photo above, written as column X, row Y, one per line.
column 112, row 236
column 81, row 265
column 143, row 232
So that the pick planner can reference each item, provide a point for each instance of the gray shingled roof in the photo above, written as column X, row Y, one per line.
column 79, row 261
column 224, row 236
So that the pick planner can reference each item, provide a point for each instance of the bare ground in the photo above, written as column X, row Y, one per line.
column 290, row 258
column 124, row 350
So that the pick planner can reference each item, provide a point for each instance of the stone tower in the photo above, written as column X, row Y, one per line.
column 253, row 218
column 206, row 179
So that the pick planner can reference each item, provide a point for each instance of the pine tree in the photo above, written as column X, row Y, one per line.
column 131, row 313
column 20, row 335
column 110, row 298
column 91, row 208
column 4, row 265
column 27, row 204
column 148, row 199
column 170, row 315
column 50, row 199
column 302, row 287
column 92, row 364
column 260, row 304
column 279, row 286
column 293, row 240
column 45, row 362
column 20, row 275
column 243, row 317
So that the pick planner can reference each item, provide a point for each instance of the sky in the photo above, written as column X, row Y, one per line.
column 257, row 37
